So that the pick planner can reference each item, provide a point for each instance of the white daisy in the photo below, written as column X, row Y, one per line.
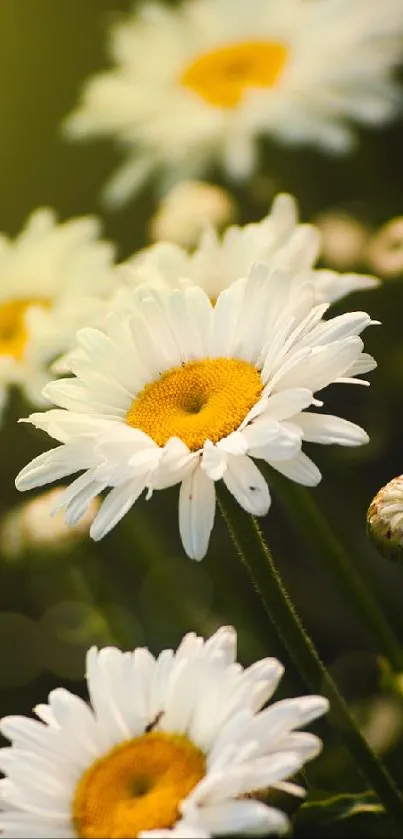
column 174, row 746
column 197, row 85
column 216, row 263
column 54, row 278
column 180, row 391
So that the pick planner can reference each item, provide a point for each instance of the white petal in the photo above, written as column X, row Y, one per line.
column 247, row 485
column 245, row 818
column 196, row 513
column 306, row 708
column 328, row 430
column 304, row 742
column 300, row 469
column 224, row 642
column 128, row 180
column 214, row 461
column 116, row 505
column 250, row 775
column 288, row 402
column 321, row 366
column 272, row 440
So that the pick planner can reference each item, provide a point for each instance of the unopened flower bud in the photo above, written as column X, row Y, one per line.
column 385, row 520
column 343, row 239
column 31, row 527
column 188, row 209
column 385, row 250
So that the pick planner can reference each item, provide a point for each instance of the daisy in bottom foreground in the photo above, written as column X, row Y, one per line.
column 178, row 391
column 174, row 746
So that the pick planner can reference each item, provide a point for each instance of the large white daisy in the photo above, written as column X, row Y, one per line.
column 54, row 278
column 180, row 391
column 198, row 84
column 173, row 746
column 217, row 262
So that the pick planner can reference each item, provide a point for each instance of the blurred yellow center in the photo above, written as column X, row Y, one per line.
column 138, row 786
column 202, row 400
column 222, row 75
column 13, row 331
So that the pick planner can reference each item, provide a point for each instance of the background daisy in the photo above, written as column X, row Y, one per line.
column 181, row 391
column 54, row 278
column 217, row 262
column 198, row 84
column 173, row 746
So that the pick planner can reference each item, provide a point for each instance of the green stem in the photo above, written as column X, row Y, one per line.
column 329, row 550
column 255, row 554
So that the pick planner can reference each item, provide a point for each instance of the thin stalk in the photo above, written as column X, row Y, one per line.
column 254, row 552
column 318, row 534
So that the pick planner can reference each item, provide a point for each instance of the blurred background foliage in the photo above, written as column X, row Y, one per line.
column 137, row 587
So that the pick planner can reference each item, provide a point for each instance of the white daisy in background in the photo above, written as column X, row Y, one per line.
column 54, row 278
column 178, row 391
column 198, row 84
column 278, row 240
column 29, row 527
column 173, row 746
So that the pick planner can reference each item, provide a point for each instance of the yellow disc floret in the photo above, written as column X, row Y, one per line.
column 202, row 400
column 137, row 786
column 222, row 75
column 13, row 330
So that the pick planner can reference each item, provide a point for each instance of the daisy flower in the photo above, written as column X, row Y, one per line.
column 217, row 262
column 196, row 85
column 173, row 746
column 178, row 391
column 54, row 278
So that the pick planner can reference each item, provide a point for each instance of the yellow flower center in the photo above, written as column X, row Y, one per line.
column 222, row 75
column 202, row 400
column 138, row 786
column 13, row 331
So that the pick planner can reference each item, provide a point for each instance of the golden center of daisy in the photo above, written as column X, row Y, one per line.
column 222, row 75
column 138, row 786
column 202, row 400
column 13, row 330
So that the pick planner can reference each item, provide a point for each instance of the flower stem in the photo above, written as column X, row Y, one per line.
column 329, row 550
column 254, row 552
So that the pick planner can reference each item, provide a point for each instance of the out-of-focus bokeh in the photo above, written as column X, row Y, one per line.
column 137, row 586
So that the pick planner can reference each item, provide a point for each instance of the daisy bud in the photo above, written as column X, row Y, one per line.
column 29, row 527
column 385, row 251
column 385, row 520
column 343, row 239
column 188, row 209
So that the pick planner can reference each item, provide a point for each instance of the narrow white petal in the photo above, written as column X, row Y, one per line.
column 197, row 501
column 328, row 430
column 116, row 505
column 224, row 642
column 128, row 180
column 304, row 742
column 306, row 708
